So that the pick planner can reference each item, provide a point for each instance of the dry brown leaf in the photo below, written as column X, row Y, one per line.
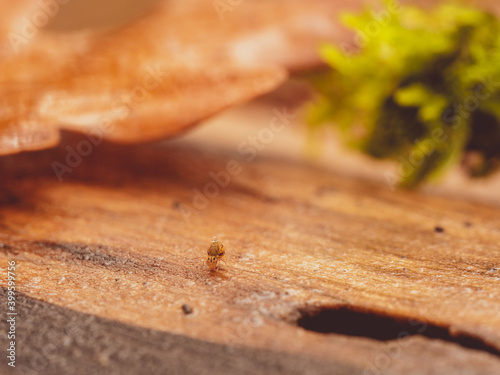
column 157, row 76
column 14, row 16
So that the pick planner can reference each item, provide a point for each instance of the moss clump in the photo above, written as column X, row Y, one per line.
column 423, row 89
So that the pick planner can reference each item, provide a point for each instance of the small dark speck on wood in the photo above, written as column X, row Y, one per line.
column 187, row 309
column 439, row 229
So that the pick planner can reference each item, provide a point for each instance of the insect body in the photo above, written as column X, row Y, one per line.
column 216, row 254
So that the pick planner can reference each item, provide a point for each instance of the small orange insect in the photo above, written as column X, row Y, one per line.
column 216, row 254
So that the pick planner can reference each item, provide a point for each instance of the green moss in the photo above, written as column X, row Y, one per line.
column 423, row 89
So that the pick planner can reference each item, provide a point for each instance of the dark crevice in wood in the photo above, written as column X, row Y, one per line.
column 345, row 320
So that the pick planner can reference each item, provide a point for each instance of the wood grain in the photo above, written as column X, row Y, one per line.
column 119, row 237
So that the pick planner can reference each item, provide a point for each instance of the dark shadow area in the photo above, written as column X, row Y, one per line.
column 55, row 340
column 170, row 168
column 156, row 166
column 346, row 321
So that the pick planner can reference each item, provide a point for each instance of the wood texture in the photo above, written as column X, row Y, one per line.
column 119, row 237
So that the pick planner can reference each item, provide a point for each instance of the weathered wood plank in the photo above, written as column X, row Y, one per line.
column 112, row 240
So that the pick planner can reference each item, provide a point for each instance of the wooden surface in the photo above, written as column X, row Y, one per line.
column 323, row 244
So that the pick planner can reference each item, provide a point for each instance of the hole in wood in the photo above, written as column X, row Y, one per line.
column 346, row 321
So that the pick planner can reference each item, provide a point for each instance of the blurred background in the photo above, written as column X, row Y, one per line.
column 78, row 14
column 297, row 92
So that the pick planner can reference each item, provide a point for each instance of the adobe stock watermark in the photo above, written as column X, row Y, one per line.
column 261, row 305
column 456, row 117
column 119, row 111
column 11, row 313
column 224, row 6
column 30, row 26
column 247, row 149
column 393, row 350
column 57, row 343
column 371, row 29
